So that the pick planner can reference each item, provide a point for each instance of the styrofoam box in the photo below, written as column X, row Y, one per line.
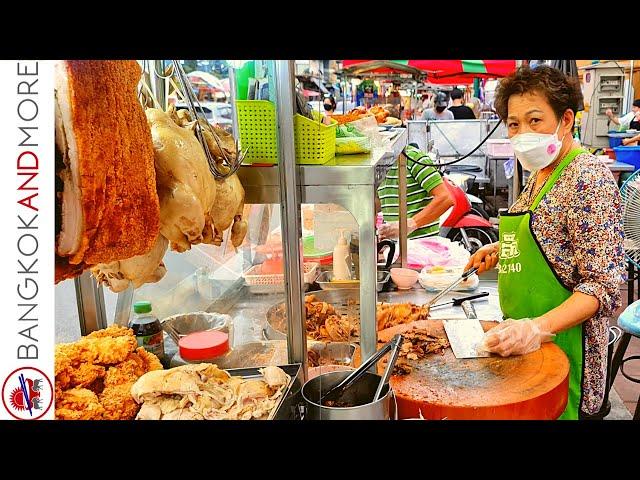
column 499, row 147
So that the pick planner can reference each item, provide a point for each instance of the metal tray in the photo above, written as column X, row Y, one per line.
column 325, row 283
column 287, row 406
column 346, row 301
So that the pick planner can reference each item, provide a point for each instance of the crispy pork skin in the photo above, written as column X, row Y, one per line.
column 110, row 207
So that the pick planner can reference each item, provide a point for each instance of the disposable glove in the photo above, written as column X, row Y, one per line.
column 515, row 337
column 392, row 229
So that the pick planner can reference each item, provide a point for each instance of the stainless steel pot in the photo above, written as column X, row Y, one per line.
column 361, row 391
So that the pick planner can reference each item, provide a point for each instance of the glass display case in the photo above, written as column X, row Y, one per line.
column 223, row 279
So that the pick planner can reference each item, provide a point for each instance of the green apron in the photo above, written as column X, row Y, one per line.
column 528, row 286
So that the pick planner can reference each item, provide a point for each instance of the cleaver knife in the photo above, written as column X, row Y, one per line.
column 465, row 337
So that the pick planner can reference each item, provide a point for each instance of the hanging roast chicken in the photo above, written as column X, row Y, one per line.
column 107, row 206
column 129, row 185
column 194, row 206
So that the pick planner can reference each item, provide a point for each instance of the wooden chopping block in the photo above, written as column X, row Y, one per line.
column 523, row 387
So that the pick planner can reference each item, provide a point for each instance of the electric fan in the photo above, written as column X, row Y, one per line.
column 631, row 217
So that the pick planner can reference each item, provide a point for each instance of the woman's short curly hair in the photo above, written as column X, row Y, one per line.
column 561, row 91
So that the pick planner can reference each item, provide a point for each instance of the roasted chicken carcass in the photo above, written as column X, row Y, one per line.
column 186, row 188
column 147, row 268
column 229, row 196
column 228, row 209
column 108, row 206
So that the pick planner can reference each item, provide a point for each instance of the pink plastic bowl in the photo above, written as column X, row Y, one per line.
column 404, row 278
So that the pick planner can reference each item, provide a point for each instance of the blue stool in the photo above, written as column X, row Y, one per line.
column 629, row 322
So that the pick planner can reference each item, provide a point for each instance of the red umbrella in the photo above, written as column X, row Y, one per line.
column 455, row 71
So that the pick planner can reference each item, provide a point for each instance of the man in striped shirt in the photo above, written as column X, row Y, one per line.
column 427, row 197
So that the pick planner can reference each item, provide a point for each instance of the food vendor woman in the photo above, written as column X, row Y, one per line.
column 560, row 251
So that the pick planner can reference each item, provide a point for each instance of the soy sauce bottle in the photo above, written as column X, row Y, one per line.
column 147, row 329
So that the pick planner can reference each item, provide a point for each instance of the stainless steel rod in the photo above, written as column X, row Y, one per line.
column 402, row 206
column 90, row 301
column 290, row 214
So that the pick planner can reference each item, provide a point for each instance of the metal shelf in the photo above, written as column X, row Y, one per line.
column 342, row 170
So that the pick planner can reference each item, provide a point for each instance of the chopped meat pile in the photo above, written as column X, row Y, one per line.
column 313, row 358
column 324, row 323
column 417, row 344
column 392, row 314
column 204, row 392
column 401, row 369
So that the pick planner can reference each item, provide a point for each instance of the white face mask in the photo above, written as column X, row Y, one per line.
column 536, row 150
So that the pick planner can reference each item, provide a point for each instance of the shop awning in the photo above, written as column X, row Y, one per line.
column 381, row 68
column 453, row 72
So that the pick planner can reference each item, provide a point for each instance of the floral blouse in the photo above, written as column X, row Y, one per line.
column 579, row 227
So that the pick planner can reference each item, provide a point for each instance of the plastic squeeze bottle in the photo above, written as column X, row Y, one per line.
column 341, row 253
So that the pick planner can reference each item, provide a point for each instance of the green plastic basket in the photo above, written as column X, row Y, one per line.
column 315, row 141
column 258, row 130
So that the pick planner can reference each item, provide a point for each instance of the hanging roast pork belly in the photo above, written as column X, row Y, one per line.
column 109, row 207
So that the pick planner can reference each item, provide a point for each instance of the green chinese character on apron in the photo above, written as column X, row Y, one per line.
column 528, row 286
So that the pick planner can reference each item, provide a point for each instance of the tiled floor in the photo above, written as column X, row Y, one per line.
column 628, row 391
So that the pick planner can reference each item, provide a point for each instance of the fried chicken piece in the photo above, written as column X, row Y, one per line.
column 86, row 374
column 113, row 331
column 118, row 403
column 62, row 369
column 106, row 363
column 133, row 367
column 78, row 404
column 151, row 361
column 103, row 350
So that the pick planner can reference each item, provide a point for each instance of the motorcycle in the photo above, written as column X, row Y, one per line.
column 464, row 181
column 459, row 224
column 467, row 221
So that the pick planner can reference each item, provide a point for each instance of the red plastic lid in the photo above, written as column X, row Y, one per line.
column 203, row 345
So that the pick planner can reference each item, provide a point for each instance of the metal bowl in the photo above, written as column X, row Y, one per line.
column 178, row 326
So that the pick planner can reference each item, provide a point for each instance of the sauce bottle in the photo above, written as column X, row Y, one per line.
column 341, row 259
column 147, row 329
